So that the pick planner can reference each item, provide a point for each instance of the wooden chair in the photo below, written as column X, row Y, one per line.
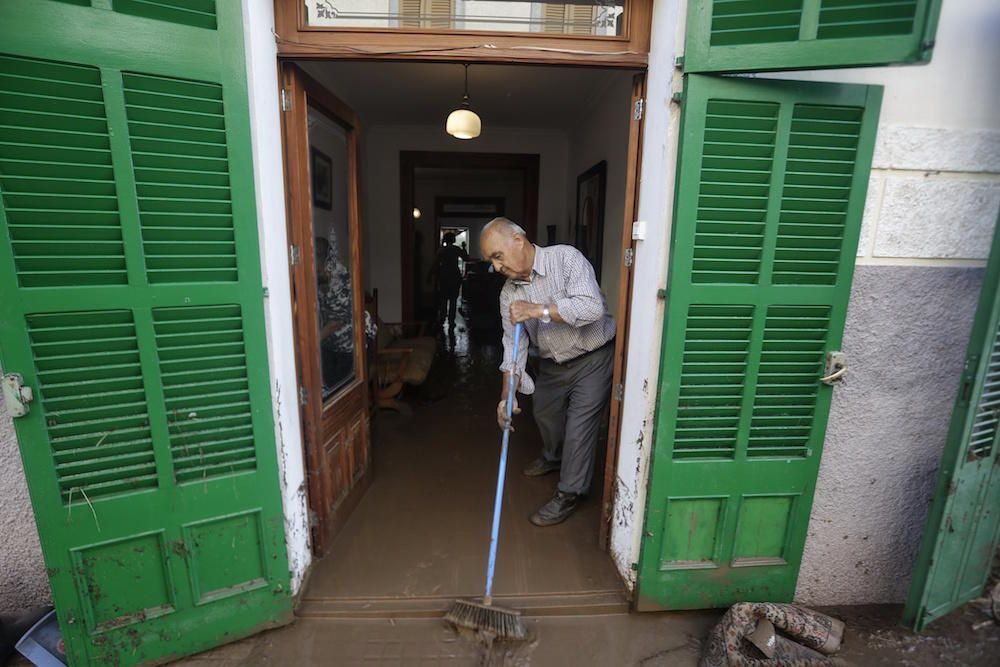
column 403, row 356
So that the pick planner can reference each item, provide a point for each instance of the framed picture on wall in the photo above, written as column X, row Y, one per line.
column 589, row 229
column 322, row 178
column 550, row 235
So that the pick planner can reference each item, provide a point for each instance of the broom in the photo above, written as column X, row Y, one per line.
column 483, row 617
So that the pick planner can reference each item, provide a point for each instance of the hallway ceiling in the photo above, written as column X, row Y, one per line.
column 503, row 95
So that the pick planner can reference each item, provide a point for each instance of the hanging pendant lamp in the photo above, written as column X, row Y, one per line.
column 463, row 123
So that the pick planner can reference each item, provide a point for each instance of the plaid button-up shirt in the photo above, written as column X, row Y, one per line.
column 560, row 275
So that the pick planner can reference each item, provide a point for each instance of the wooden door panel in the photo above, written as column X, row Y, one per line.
column 335, row 418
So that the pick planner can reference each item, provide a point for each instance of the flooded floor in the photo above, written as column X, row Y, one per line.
column 419, row 537
column 873, row 637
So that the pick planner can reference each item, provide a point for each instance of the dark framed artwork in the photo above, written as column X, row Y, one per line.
column 589, row 230
column 550, row 235
column 322, row 178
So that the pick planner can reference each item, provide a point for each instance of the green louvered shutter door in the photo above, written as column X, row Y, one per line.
column 132, row 306
column 770, row 193
column 757, row 35
column 963, row 529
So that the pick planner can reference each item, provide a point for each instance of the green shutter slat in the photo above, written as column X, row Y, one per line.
column 755, row 21
column 866, row 18
column 55, row 176
column 197, row 13
column 199, row 348
column 162, row 127
column 789, row 386
column 758, row 35
column 987, row 416
column 711, row 386
column 87, row 350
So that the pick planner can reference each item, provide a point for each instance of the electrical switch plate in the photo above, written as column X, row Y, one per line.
column 639, row 230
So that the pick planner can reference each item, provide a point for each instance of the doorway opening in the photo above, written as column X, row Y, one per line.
column 415, row 535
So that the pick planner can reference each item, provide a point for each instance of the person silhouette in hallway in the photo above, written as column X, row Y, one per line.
column 448, row 272
column 554, row 293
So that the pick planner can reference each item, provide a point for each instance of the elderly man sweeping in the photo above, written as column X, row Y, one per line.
column 554, row 293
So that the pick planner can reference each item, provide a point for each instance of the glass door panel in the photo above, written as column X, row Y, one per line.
column 603, row 18
column 332, row 242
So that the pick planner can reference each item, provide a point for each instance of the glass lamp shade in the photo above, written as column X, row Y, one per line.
column 463, row 123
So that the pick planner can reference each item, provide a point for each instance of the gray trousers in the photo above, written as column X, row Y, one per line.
column 569, row 402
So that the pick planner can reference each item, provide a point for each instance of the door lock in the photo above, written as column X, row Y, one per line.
column 836, row 367
column 15, row 395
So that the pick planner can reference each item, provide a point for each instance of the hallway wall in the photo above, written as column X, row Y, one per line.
column 603, row 135
column 380, row 181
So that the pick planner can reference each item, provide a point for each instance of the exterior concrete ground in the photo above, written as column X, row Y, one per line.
column 873, row 637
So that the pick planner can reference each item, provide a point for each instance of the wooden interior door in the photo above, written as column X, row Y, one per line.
column 624, row 301
column 321, row 150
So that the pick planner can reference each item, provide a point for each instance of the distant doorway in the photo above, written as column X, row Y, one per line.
column 509, row 186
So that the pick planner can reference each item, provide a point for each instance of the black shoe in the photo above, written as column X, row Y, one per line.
column 556, row 510
column 541, row 466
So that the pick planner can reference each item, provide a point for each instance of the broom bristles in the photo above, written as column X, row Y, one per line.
column 497, row 621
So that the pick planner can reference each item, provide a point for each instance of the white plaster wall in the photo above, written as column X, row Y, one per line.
column 603, row 135
column 659, row 153
column 932, row 205
column 380, row 163
column 265, row 129
column 23, row 582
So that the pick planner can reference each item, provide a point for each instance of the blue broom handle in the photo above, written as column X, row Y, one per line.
column 501, row 476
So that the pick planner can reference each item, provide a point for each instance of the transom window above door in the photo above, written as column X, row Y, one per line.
column 600, row 18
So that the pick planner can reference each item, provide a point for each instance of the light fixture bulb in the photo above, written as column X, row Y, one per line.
column 463, row 123
column 416, row 213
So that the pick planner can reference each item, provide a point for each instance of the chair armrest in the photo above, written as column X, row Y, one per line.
column 390, row 363
column 419, row 327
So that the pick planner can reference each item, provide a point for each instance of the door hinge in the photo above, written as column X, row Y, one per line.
column 303, row 396
column 294, row 255
column 15, row 395
column 286, row 100
column 638, row 108
column 629, row 257
column 313, row 519
column 619, row 391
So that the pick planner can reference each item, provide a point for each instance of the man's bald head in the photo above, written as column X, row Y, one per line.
column 504, row 226
column 505, row 244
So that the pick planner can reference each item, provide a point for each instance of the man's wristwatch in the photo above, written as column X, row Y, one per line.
column 546, row 317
